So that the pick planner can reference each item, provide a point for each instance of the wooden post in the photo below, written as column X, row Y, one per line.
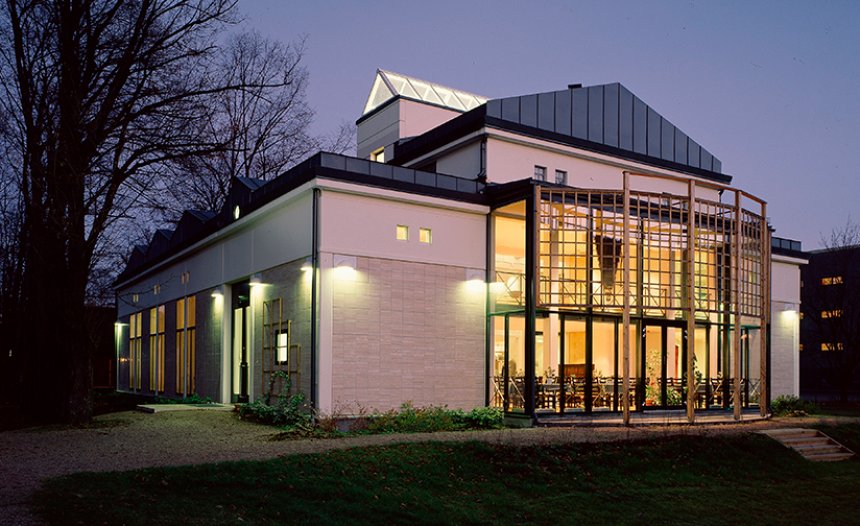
column 764, row 334
column 692, row 388
column 736, row 301
column 625, row 384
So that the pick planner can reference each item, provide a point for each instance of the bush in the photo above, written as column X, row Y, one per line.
column 290, row 411
column 790, row 405
column 411, row 419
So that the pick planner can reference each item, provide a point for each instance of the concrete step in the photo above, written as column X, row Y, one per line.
column 811, row 444
column 829, row 457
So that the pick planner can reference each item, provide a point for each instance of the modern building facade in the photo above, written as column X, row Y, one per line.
column 563, row 252
column 830, row 329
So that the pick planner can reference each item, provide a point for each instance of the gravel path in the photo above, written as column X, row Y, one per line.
column 131, row 440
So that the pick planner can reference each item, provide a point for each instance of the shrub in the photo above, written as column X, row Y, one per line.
column 485, row 418
column 290, row 411
column 411, row 419
column 790, row 405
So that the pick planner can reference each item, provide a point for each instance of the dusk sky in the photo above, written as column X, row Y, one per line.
column 770, row 88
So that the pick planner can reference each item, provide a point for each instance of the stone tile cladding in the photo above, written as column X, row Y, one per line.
column 405, row 331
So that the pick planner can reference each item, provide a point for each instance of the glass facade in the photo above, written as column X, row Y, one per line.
column 673, row 263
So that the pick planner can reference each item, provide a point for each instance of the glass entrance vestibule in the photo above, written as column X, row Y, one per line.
column 651, row 296
column 578, row 364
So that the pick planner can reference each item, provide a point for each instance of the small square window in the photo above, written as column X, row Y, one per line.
column 378, row 155
column 560, row 177
column 540, row 173
column 425, row 235
column 402, row 233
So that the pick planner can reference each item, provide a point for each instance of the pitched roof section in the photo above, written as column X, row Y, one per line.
column 607, row 114
column 389, row 85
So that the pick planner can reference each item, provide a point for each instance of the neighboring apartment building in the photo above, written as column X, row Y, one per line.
column 548, row 254
column 830, row 328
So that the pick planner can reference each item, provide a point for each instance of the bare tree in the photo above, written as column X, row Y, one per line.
column 264, row 128
column 831, row 306
column 98, row 95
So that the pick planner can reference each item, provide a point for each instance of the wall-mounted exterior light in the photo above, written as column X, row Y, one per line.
column 256, row 279
column 236, row 212
column 307, row 265
column 341, row 261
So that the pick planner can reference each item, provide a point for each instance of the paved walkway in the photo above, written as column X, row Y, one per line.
column 132, row 440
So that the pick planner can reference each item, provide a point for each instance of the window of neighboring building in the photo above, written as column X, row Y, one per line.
column 186, row 345
column 831, row 280
column 156, row 349
column 156, row 289
column 402, row 233
column 800, row 347
column 425, row 235
column 560, row 177
column 135, row 344
column 378, row 155
column 540, row 173
column 831, row 314
column 832, row 347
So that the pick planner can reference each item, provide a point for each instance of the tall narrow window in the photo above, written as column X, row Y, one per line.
column 540, row 173
column 135, row 344
column 186, row 346
column 156, row 349
column 560, row 177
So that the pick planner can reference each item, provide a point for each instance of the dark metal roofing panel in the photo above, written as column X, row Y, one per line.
column 609, row 115
column 625, row 119
column 528, row 110
column 562, row 112
column 595, row 114
column 546, row 111
column 580, row 113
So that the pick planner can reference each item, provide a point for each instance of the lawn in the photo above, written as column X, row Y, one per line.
column 689, row 479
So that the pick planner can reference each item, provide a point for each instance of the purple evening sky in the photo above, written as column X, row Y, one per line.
column 769, row 87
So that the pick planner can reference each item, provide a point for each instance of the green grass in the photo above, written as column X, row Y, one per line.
column 669, row 480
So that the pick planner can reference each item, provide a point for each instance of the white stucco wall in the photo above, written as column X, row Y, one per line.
column 402, row 118
column 364, row 225
column 464, row 161
column 278, row 233
column 512, row 158
column 785, row 326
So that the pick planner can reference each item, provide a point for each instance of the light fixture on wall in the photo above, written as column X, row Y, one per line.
column 218, row 292
column 342, row 261
column 308, row 265
column 473, row 274
column 256, row 279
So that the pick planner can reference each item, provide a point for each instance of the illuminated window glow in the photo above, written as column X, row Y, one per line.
column 156, row 349
column 378, row 155
column 135, row 344
column 832, row 347
column 425, row 235
column 186, row 345
column 402, row 233
column 831, row 314
column 831, row 280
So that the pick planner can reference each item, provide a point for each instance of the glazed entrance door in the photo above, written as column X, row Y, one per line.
column 664, row 350
column 241, row 340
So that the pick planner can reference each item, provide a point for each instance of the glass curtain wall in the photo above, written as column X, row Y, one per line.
column 693, row 263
